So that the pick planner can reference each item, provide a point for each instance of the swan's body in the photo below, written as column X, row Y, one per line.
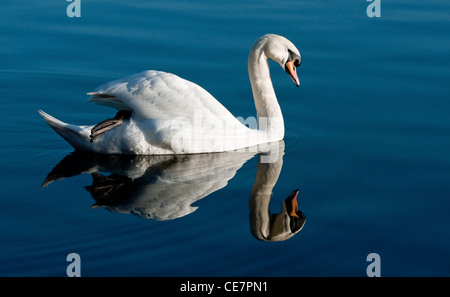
column 170, row 115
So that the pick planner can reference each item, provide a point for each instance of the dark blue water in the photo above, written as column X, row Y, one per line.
column 367, row 140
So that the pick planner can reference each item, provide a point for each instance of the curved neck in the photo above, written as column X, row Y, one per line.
column 270, row 118
column 266, row 177
column 263, row 225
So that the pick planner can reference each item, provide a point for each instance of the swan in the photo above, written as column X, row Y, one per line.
column 161, row 113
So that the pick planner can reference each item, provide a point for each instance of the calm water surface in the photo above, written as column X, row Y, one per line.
column 367, row 141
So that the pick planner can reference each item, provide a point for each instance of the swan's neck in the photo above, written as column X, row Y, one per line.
column 270, row 119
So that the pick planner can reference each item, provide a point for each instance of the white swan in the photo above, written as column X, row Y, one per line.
column 161, row 113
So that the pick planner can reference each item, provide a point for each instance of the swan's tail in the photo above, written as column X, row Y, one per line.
column 77, row 136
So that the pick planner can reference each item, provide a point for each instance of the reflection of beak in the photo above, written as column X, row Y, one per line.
column 292, row 204
column 297, row 218
column 290, row 69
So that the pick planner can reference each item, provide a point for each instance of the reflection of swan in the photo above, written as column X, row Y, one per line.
column 164, row 187
column 157, row 187
column 161, row 113
column 277, row 227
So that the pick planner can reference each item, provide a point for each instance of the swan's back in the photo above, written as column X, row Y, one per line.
column 159, row 95
column 175, row 114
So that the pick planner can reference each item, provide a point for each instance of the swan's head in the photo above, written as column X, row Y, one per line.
column 282, row 51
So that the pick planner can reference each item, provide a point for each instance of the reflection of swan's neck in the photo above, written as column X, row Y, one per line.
column 268, row 110
column 266, row 177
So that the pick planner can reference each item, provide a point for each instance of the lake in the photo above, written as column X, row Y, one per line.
column 367, row 141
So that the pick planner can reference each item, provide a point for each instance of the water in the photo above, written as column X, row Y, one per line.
column 367, row 139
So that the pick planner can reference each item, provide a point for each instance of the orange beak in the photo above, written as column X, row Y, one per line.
column 290, row 68
column 293, row 203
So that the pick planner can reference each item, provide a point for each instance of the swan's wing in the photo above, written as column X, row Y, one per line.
column 158, row 95
column 175, row 114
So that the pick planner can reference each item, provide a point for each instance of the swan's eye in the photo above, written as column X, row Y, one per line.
column 295, row 57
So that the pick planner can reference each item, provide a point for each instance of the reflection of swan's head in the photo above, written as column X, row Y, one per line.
column 281, row 50
column 288, row 222
column 280, row 226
